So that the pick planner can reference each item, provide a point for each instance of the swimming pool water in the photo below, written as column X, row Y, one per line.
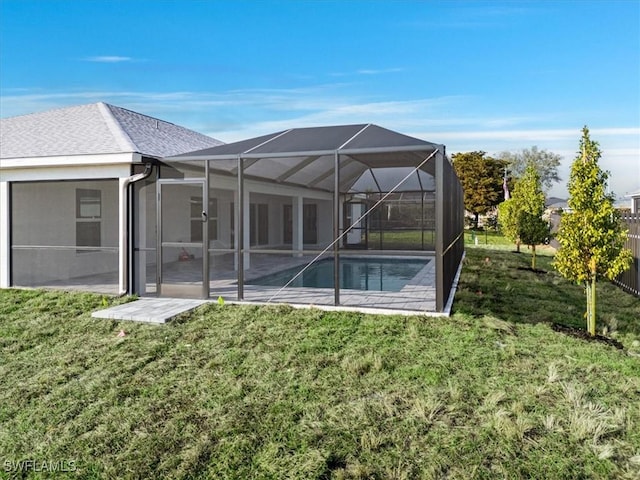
column 386, row 274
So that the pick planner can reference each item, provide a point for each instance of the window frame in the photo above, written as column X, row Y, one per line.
column 88, row 226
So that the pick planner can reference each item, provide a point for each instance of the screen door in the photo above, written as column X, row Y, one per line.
column 182, row 231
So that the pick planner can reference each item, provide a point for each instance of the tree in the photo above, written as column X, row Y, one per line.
column 546, row 164
column 521, row 215
column 591, row 235
column 481, row 179
column 533, row 229
column 509, row 220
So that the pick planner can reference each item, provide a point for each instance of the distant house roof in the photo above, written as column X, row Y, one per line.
column 562, row 205
column 552, row 202
column 97, row 128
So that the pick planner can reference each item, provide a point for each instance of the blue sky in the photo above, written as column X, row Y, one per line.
column 478, row 75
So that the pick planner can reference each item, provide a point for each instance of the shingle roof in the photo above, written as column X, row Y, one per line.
column 95, row 128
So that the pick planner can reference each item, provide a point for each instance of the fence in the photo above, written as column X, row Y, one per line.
column 630, row 279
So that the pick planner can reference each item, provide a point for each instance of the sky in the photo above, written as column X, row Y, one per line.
column 473, row 75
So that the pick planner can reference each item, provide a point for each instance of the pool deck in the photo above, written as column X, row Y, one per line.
column 417, row 297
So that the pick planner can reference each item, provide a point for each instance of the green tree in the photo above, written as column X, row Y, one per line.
column 529, row 197
column 591, row 235
column 481, row 179
column 546, row 164
column 508, row 218
column 521, row 215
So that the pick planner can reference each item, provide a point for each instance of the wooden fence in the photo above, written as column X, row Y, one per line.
column 630, row 280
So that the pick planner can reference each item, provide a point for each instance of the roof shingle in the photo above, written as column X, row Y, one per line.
column 96, row 128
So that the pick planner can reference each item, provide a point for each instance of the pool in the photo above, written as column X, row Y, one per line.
column 356, row 273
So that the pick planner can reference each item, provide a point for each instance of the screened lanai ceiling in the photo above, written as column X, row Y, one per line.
column 371, row 158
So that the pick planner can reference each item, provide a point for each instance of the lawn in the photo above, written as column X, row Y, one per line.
column 497, row 281
column 401, row 239
column 408, row 239
column 487, row 238
column 273, row 392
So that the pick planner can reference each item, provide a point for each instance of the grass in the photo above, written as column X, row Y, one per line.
column 487, row 238
column 403, row 239
column 272, row 392
column 501, row 283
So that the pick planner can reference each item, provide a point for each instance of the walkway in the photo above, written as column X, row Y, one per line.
column 149, row 310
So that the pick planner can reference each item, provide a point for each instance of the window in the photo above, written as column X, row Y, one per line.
column 310, row 223
column 259, row 221
column 88, row 203
column 88, row 218
column 287, row 233
column 232, row 224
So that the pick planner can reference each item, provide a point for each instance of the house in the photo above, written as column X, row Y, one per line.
column 635, row 201
column 64, row 191
column 101, row 198
column 555, row 204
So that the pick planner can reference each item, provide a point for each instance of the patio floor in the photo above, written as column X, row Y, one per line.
column 417, row 296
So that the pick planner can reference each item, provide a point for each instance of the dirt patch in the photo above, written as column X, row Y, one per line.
column 584, row 335
column 536, row 271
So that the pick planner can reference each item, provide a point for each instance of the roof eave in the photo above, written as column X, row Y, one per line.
column 407, row 148
column 308, row 153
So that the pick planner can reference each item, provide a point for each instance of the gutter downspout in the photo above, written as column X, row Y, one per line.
column 123, row 243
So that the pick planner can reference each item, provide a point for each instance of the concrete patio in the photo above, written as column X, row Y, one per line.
column 149, row 310
column 417, row 297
